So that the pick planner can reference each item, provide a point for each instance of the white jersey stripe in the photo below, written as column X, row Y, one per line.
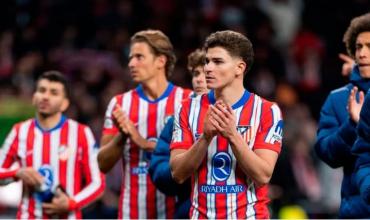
column 142, row 178
column 161, row 205
column 126, row 105
column 178, row 98
column 72, row 144
column 95, row 175
column 195, row 204
column 6, row 146
column 126, row 192
column 54, row 156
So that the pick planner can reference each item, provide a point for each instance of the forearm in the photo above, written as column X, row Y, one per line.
column 143, row 143
column 110, row 153
column 334, row 145
column 255, row 167
column 184, row 164
column 7, row 176
column 90, row 193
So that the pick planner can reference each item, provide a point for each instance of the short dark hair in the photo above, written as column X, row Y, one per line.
column 358, row 25
column 195, row 59
column 159, row 44
column 56, row 76
column 235, row 43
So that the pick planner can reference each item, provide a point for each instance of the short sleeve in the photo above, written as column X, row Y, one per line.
column 109, row 127
column 182, row 137
column 270, row 132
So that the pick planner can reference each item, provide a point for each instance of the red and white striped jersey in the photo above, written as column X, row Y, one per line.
column 139, row 197
column 68, row 149
column 220, row 189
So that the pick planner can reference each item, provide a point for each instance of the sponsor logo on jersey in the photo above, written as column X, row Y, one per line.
column 221, row 166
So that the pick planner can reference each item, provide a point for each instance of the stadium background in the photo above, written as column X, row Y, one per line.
column 296, row 45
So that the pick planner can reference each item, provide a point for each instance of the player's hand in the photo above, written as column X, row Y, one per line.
column 224, row 119
column 347, row 65
column 354, row 107
column 30, row 177
column 59, row 204
column 121, row 119
column 209, row 130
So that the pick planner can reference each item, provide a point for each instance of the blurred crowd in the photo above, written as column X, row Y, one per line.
column 296, row 44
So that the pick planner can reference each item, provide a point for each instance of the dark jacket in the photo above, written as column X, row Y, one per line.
column 335, row 138
column 160, row 173
column 361, row 148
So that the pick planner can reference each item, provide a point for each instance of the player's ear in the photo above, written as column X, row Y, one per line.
column 240, row 68
column 65, row 104
column 161, row 61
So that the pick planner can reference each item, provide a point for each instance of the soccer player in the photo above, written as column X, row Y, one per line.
column 337, row 126
column 133, row 122
column 62, row 145
column 159, row 169
column 228, row 140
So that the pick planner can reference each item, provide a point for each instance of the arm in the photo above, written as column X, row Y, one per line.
column 111, row 151
column 361, row 148
column 186, row 156
column 112, row 145
column 259, row 163
column 113, row 140
column 334, row 140
column 8, row 156
column 159, row 168
column 95, row 181
column 185, row 162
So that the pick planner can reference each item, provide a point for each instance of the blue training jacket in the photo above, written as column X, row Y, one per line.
column 335, row 138
column 160, row 173
column 361, row 148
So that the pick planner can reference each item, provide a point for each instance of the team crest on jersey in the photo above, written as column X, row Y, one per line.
column 64, row 152
column 221, row 166
column 242, row 128
column 245, row 131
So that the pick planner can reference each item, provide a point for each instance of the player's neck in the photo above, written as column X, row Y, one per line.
column 48, row 122
column 155, row 87
column 230, row 94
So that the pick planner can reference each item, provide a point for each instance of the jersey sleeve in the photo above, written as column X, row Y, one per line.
column 270, row 132
column 109, row 126
column 181, row 135
column 8, row 157
column 95, row 181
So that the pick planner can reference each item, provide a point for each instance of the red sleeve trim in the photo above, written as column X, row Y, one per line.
column 180, row 145
column 275, row 148
column 110, row 131
column 72, row 205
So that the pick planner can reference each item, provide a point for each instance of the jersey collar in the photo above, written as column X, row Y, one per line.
column 240, row 102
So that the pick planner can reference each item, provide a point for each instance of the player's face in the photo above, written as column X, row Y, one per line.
column 220, row 68
column 49, row 98
column 199, row 80
column 142, row 62
column 362, row 54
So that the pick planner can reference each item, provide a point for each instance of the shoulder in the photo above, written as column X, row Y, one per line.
column 342, row 91
column 25, row 123
column 79, row 125
column 266, row 104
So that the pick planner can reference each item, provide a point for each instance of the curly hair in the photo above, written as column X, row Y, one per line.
column 159, row 44
column 358, row 25
column 195, row 59
column 235, row 43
